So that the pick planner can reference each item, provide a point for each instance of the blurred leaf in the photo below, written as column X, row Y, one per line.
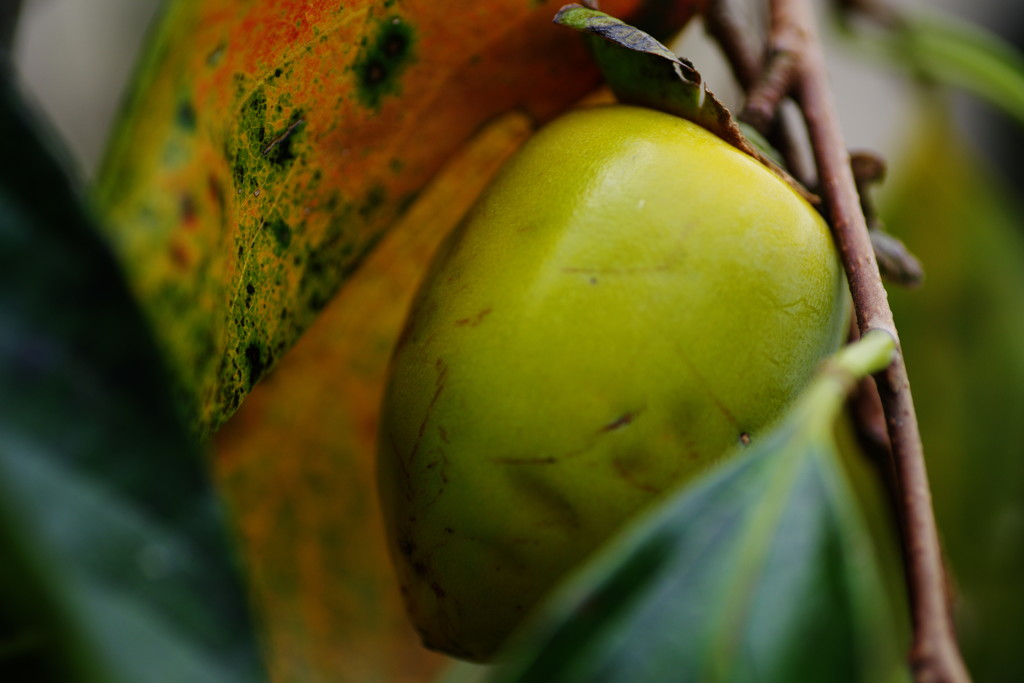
column 962, row 334
column 268, row 145
column 942, row 49
column 114, row 565
column 298, row 459
column 762, row 570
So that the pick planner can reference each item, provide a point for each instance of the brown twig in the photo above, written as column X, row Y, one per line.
column 764, row 98
column 747, row 65
column 935, row 655
column 744, row 59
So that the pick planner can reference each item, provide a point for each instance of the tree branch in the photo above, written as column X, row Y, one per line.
column 935, row 655
column 764, row 98
column 748, row 68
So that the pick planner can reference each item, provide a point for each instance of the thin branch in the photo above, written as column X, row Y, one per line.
column 765, row 97
column 935, row 655
column 745, row 61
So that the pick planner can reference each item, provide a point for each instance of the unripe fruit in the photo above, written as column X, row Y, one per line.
column 630, row 300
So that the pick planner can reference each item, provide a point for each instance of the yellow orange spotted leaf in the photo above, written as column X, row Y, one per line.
column 268, row 145
column 296, row 462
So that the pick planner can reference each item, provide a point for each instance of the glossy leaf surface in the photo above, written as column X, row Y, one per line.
column 114, row 564
column 267, row 146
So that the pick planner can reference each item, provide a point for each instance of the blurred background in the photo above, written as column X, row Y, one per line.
column 953, row 196
column 75, row 58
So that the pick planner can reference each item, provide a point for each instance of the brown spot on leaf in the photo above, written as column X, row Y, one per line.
column 187, row 211
column 180, row 256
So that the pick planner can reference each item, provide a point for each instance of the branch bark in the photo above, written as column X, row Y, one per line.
column 935, row 655
column 748, row 68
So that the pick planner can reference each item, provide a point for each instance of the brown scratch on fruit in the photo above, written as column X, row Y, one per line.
column 441, row 463
column 745, row 438
column 623, row 470
column 544, row 498
column 707, row 388
column 622, row 421
column 439, row 384
column 474, row 320
column 405, row 477
column 525, row 461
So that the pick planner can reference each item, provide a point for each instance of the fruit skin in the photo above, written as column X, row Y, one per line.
column 629, row 300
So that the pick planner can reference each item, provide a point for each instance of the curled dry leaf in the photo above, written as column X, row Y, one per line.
column 642, row 71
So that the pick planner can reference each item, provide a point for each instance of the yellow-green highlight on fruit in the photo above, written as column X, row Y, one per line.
column 629, row 300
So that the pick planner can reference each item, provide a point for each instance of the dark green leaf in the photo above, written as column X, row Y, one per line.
column 114, row 565
column 763, row 570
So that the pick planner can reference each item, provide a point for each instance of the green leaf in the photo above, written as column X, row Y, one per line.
column 763, row 570
column 114, row 563
column 942, row 49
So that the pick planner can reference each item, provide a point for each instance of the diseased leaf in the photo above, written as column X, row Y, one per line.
column 762, row 570
column 961, row 333
column 267, row 146
column 114, row 564
column 298, row 460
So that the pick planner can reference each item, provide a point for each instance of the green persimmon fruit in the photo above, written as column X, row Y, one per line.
column 630, row 299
